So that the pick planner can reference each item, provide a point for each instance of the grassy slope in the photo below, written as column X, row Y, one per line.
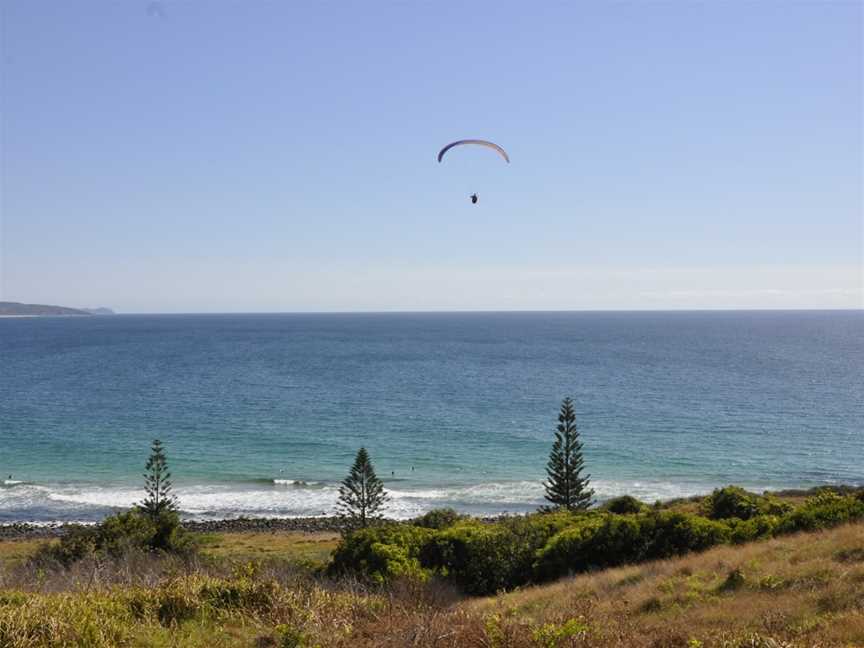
column 804, row 590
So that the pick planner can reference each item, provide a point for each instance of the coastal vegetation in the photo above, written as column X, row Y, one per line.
column 733, row 569
column 566, row 487
column 796, row 590
column 361, row 495
column 157, row 485
column 481, row 558
column 153, row 525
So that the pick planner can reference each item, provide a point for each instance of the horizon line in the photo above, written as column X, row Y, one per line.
column 496, row 311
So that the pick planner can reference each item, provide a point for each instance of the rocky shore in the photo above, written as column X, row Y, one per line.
column 23, row 531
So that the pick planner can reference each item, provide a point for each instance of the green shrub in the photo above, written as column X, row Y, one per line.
column 624, row 505
column 615, row 540
column 564, row 552
column 823, row 511
column 484, row 558
column 673, row 534
column 731, row 502
column 756, row 528
column 118, row 534
column 735, row 502
column 170, row 536
column 78, row 542
column 770, row 505
column 381, row 553
column 475, row 555
column 438, row 519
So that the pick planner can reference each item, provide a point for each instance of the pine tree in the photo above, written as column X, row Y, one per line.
column 566, row 488
column 157, row 484
column 361, row 495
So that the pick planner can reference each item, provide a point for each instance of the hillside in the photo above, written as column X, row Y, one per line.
column 804, row 590
column 10, row 309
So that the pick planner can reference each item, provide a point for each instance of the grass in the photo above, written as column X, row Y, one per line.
column 799, row 590
column 306, row 548
column 297, row 546
column 802, row 591
column 15, row 552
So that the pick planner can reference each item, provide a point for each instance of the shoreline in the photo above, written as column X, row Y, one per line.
column 28, row 531
column 332, row 523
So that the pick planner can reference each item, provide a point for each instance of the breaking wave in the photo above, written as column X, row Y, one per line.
column 45, row 503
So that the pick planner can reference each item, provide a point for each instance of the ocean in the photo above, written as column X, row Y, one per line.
column 261, row 415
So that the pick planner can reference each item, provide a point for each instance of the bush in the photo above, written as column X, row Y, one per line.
column 438, row 519
column 619, row 539
column 78, row 543
column 484, row 558
column 122, row 532
column 118, row 534
column 564, row 552
column 756, row 528
column 624, row 505
column 823, row 511
column 673, row 534
column 170, row 536
column 381, row 553
column 731, row 502
column 475, row 555
column 735, row 502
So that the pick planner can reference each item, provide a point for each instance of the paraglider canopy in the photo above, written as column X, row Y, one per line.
column 477, row 142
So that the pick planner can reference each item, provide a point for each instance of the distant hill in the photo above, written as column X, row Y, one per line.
column 99, row 311
column 36, row 310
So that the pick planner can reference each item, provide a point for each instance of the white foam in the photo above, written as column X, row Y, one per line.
column 293, row 498
column 300, row 483
column 12, row 482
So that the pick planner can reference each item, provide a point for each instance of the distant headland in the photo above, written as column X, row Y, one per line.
column 16, row 309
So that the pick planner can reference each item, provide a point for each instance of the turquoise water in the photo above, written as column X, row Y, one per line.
column 262, row 414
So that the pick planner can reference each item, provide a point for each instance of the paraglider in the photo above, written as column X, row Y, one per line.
column 491, row 145
column 477, row 142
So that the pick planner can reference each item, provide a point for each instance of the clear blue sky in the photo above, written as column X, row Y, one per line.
column 275, row 156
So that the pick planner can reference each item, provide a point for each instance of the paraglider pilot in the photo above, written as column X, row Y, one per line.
column 474, row 199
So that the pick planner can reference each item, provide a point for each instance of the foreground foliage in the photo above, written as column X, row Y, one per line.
column 483, row 558
column 800, row 591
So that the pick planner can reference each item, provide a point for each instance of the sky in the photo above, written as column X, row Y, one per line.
column 216, row 156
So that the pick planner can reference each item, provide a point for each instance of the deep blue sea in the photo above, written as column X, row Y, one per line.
column 261, row 415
